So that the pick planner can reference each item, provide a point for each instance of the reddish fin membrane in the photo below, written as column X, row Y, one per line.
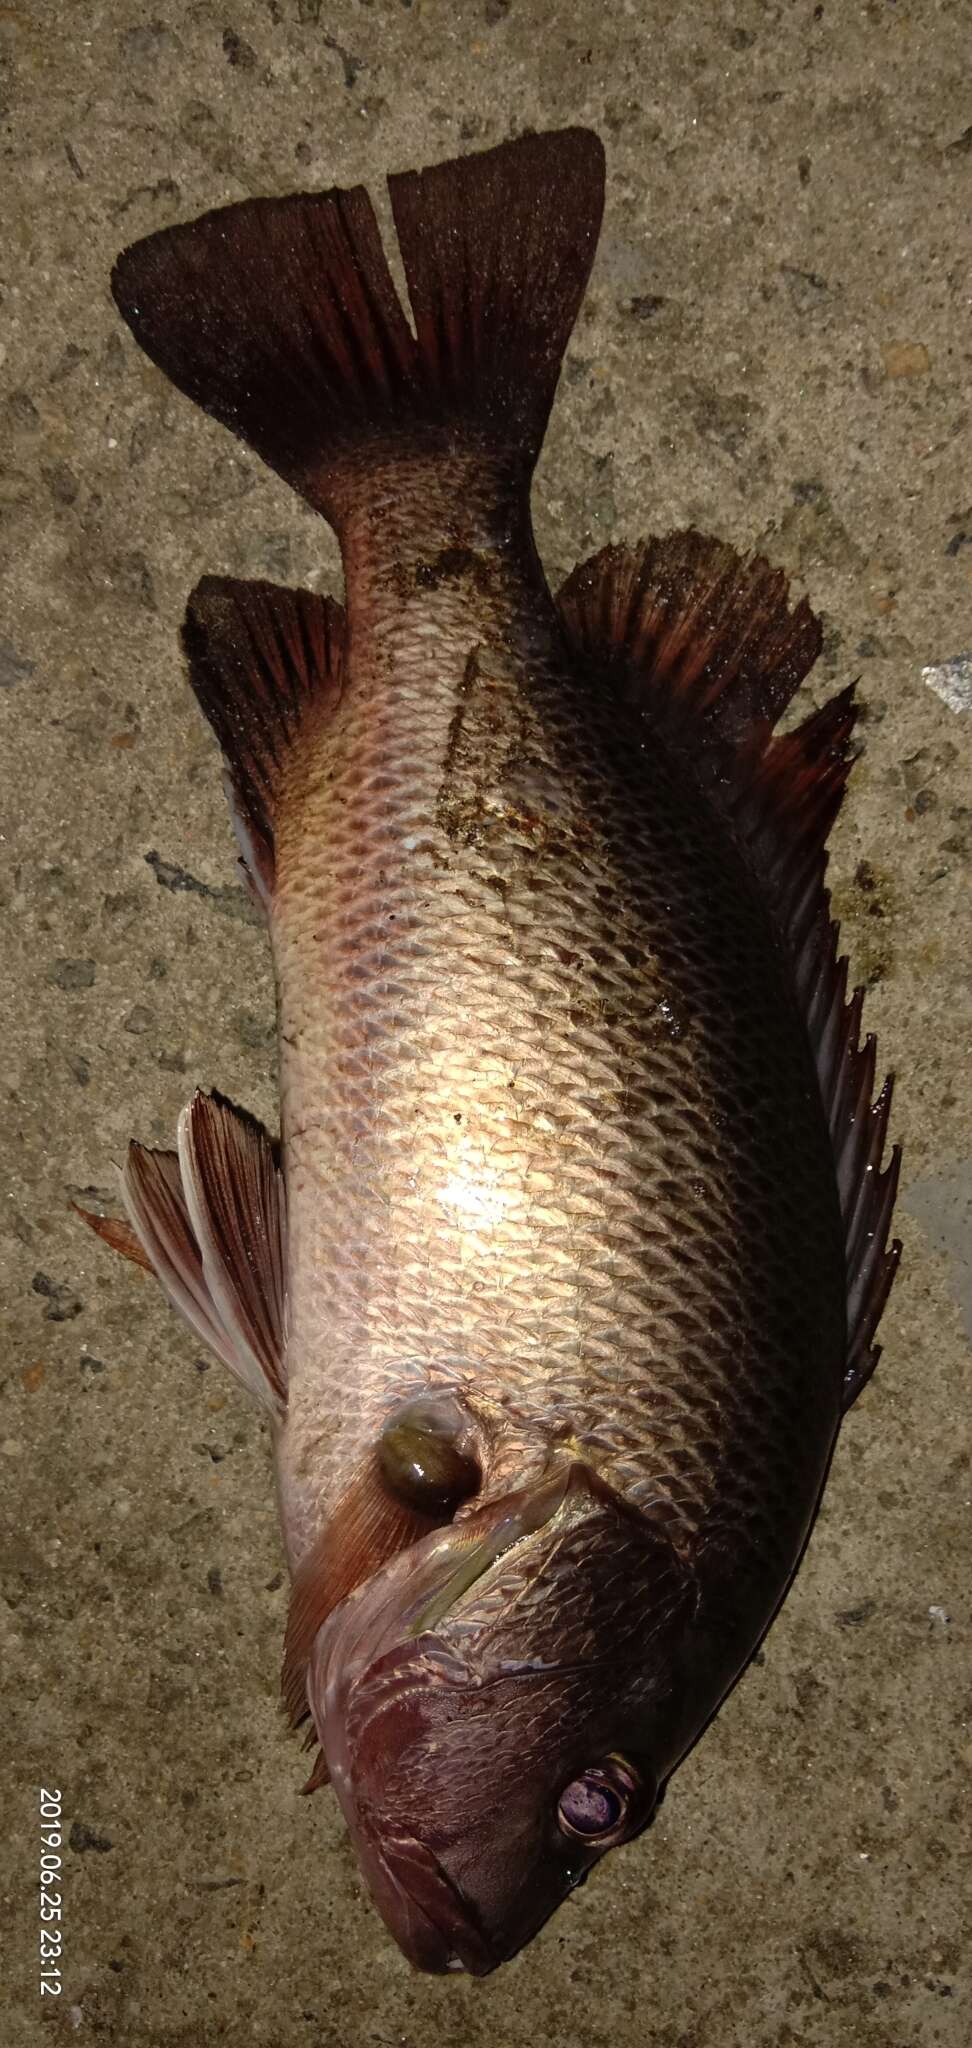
column 704, row 638
column 156, row 1204
column 320, row 1775
column 211, row 1223
column 281, row 319
column 368, row 1527
column 706, row 645
column 263, row 661
column 235, row 1196
column 114, row 1231
column 426, row 1463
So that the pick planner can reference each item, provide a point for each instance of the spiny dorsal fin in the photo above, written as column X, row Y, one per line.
column 280, row 316
column 211, row 1220
column 263, row 661
column 705, row 644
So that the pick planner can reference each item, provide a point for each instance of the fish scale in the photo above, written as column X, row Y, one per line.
column 684, row 1143
column 573, row 1247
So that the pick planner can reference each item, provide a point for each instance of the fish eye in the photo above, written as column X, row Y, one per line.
column 595, row 1804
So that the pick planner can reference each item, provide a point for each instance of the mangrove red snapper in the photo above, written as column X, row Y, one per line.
column 572, row 1251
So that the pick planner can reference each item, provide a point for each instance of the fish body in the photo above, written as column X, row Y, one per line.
column 572, row 1250
column 524, row 1011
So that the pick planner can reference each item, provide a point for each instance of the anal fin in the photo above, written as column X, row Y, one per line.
column 263, row 662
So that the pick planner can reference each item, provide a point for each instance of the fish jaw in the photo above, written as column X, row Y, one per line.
column 435, row 1927
column 450, row 1729
column 432, row 1923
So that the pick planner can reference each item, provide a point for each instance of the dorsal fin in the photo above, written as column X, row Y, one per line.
column 706, row 645
column 211, row 1221
column 263, row 661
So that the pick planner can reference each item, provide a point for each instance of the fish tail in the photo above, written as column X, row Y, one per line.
column 280, row 317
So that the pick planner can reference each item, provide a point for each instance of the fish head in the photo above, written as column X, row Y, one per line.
column 489, row 1706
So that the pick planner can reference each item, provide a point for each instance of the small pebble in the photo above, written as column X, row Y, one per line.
column 951, row 681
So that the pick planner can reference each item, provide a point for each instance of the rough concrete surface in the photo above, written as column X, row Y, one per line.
column 776, row 346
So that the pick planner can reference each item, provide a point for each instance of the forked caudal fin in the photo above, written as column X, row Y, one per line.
column 280, row 316
column 706, row 645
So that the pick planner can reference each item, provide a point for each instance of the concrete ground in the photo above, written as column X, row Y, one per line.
column 776, row 346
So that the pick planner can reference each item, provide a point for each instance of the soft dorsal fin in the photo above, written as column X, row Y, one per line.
column 211, row 1222
column 264, row 662
column 281, row 318
column 706, row 645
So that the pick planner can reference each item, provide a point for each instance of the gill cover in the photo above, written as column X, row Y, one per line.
column 493, row 1710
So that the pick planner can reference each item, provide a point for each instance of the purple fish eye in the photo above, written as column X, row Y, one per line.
column 594, row 1804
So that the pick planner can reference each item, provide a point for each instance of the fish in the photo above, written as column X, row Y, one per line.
column 569, row 1258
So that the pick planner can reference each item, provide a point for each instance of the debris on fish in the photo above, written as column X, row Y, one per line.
column 572, row 1251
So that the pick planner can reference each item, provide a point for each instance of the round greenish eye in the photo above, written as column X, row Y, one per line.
column 425, row 1468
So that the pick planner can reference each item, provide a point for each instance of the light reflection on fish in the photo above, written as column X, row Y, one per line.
column 572, row 1252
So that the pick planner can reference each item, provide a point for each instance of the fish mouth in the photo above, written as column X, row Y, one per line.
column 434, row 1926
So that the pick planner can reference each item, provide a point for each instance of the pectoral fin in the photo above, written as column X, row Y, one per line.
column 368, row 1526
